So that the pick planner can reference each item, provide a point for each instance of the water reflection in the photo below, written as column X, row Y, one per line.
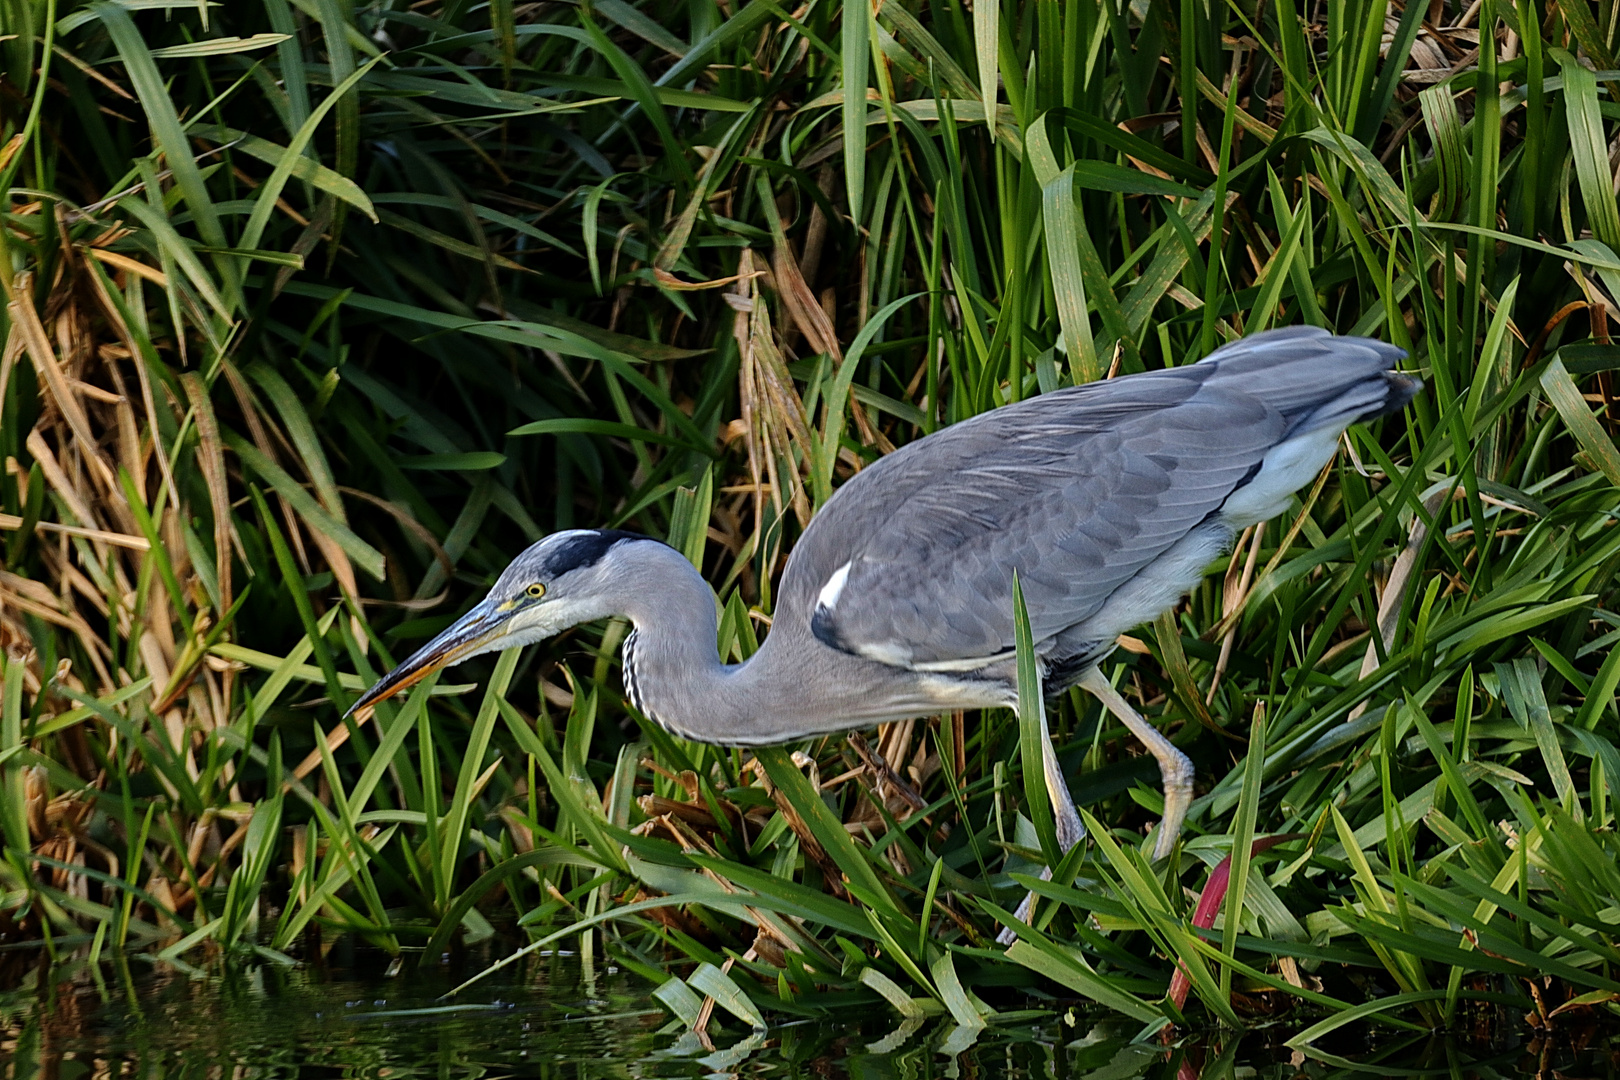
column 342, row 1017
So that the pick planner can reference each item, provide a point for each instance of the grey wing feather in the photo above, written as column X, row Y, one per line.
column 1076, row 490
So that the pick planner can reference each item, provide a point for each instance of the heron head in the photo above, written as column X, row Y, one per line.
column 555, row 584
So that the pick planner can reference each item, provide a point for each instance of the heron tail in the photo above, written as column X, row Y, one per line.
column 1402, row 388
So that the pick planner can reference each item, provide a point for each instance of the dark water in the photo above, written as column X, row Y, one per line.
column 343, row 1017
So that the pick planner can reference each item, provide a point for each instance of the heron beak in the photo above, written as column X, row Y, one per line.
column 477, row 631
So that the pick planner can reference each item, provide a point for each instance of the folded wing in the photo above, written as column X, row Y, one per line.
column 912, row 562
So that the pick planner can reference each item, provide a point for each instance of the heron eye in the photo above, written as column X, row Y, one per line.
column 535, row 591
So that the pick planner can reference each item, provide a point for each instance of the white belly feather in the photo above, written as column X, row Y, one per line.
column 1157, row 586
column 1289, row 467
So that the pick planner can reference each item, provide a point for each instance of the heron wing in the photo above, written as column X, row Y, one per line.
column 912, row 562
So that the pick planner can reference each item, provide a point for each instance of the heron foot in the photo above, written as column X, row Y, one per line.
column 1175, row 768
column 1176, row 774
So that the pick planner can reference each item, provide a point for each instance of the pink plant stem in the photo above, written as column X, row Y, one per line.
column 1209, row 902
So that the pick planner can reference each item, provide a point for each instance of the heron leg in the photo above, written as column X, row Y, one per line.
column 1175, row 768
column 1070, row 831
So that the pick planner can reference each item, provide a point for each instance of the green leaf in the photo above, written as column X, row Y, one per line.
column 13, row 788
column 987, row 49
column 1589, row 144
column 823, row 824
column 1068, row 286
column 1277, row 271
column 365, row 556
column 835, row 396
column 956, row 999
column 718, row 985
column 579, row 426
column 1577, row 417
column 1498, row 627
column 165, row 121
column 853, row 74
column 301, row 431
column 641, row 24
column 264, row 202
column 1366, row 1009
column 72, row 21
column 907, row 1006
column 472, row 762
column 789, row 897
column 1106, row 176
column 1243, row 823
column 1521, row 685
column 303, row 168
column 223, row 46
column 680, row 1000
column 171, row 244
column 643, row 92
column 1068, row 969
column 1033, row 737
column 473, row 461
column 689, row 519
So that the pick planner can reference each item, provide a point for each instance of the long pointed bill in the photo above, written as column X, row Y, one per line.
column 473, row 633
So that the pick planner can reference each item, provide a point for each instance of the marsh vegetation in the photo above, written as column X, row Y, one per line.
column 317, row 312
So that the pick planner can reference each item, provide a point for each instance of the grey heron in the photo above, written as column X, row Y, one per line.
column 1109, row 500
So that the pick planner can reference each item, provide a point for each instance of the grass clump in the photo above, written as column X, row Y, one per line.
column 317, row 313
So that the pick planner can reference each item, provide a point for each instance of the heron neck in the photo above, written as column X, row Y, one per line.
column 672, row 668
column 793, row 687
